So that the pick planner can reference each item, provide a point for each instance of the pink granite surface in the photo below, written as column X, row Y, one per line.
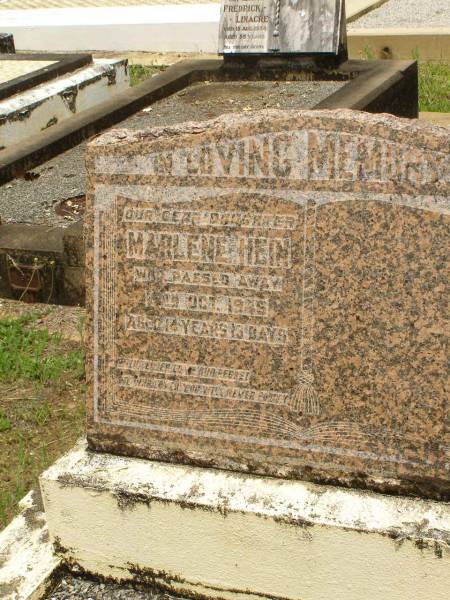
column 268, row 293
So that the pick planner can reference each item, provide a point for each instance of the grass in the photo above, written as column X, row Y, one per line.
column 434, row 86
column 32, row 354
column 138, row 73
column 434, row 81
column 41, row 404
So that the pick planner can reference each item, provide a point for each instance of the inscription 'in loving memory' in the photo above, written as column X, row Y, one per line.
column 305, row 155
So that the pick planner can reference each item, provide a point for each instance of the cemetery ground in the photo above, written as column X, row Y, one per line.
column 41, row 393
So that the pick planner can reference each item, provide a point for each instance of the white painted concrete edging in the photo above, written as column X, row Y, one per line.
column 39, row 108
column 27, row 561
column 227, row 535
column 163, row 28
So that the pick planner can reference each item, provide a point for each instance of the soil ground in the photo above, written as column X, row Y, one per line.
column 41, row 393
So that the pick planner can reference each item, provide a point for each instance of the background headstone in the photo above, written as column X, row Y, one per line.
column 281, row 26
column 7, row 43
column 268, row 293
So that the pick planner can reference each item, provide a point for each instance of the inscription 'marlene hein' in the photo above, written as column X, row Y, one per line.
column 228, row 250
column 271, row 302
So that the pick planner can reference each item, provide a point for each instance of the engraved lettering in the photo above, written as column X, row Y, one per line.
column 218, row 304
column 185, row 370
column 209, row 249
column 205, row 218
column 217, row 279
column 230, row 330
column 306, row 155
column 205, row 390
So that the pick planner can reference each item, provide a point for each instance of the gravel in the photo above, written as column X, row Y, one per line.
column 78, row 588
column 33, row 201
column 209, row 100
column 406, row 13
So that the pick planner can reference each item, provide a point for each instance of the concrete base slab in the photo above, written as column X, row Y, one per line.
column 27, row 561
column 44, row 106
column 400, row 43
column 357, row 8
column 215, row 534
column 441, row 119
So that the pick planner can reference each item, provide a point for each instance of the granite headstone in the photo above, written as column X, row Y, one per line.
column 269, row 293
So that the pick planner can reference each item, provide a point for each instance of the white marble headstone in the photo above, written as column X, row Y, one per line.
column 281, row 26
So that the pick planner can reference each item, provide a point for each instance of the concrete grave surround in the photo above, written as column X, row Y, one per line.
column 27, row 560
column 206, row 533
column 267, row 293
column 42, row 107
column 23, row 71
column 10, row 69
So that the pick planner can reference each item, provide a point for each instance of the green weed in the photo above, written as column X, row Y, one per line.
column 41, row 404
column 27, row 353
column 5, row 423
column 367, row 52
column 139, row 73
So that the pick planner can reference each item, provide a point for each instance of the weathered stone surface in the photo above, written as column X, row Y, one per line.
column 268, row 293
column 281, row 26
column 27, row 560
